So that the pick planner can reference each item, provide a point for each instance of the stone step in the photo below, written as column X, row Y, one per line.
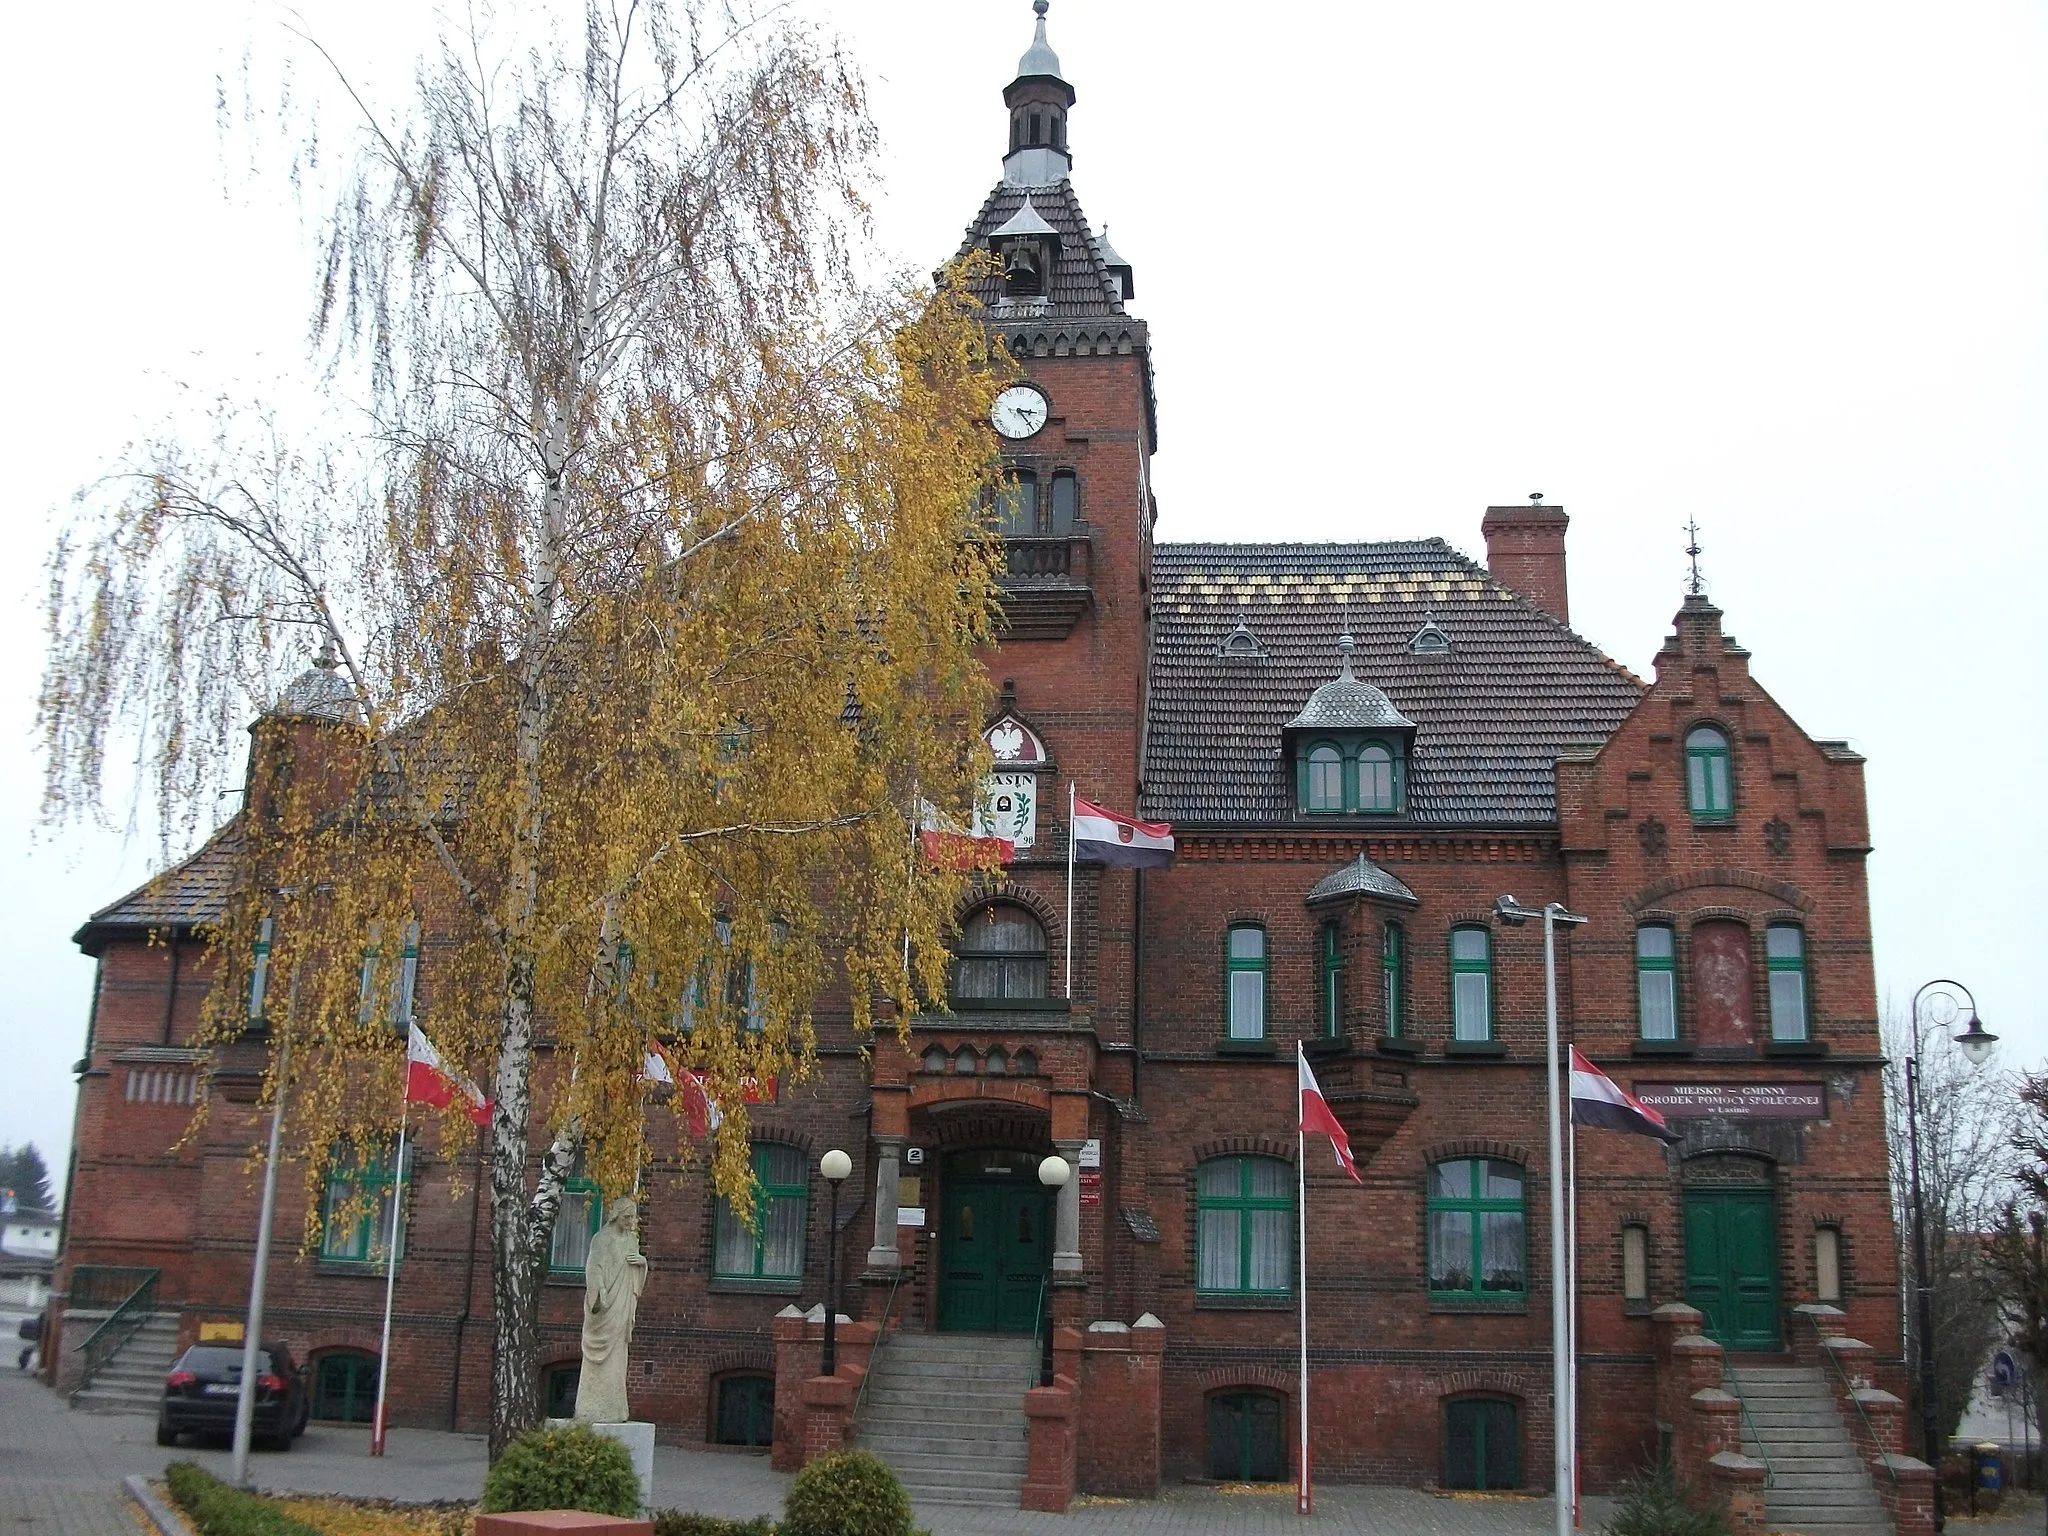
column 1008, row 1426
column 994, row 1446
column 889, row 1396
column 94, row 1400
column 951, row 1478
column 1788, row 1482
column 935, row 1496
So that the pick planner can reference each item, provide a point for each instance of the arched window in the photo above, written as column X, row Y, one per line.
column 345, row 1387
column 1482, row 1443
column 1471, row 984
column 773, row 1249
column 1476, row 1243
column 1247, row 1437
column 1244, row 996
column 1393, row 978
column 1001, row 955
column 1333, row 982
column 1656, row 982
column 1375, row 778
column 401, row 984
column 1066, row 501
column 1707, row 790
column 1785, row 958
column 1827, row 1263
column 746, row 1409
column 1017, row 506
column 1244, row 1233
column 1325, row 779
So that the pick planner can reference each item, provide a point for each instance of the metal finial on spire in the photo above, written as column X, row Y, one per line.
column 1040, row 7
column 1692, row 550
column 1345, row 646
column 1536, row 498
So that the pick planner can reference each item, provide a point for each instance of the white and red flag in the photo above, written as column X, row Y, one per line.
column 1316, row 1116
column 1104, row 837
column 1598, row 1100
column 700, row 1110
column 429, row 1080
column 950, row 846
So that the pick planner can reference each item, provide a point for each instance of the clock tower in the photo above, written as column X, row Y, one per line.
column 1078, row 432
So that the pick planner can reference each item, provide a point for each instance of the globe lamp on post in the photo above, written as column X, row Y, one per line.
column 835, row 1166
column 1053, row 1173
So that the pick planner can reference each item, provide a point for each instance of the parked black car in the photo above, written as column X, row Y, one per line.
column 200, row 1393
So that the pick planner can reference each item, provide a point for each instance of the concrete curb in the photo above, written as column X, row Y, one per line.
column 166, row 1519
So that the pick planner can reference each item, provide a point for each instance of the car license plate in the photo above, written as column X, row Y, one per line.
column 221, row 1389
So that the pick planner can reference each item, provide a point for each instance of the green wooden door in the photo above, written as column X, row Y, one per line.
column 1731, row 1265
column 994, row 1254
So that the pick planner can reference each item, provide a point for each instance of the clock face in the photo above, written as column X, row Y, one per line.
column 1019, row 411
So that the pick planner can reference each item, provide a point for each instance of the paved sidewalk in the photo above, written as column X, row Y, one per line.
column 60, row 1475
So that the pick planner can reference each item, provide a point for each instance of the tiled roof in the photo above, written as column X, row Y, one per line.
column 1516, row 689
column 1347, row 703
column 1362, row 877
column 1081, row 283
column 193, row 891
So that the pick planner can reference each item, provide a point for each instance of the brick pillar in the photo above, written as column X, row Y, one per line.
column 1049, row 1478
column 1121, row 1382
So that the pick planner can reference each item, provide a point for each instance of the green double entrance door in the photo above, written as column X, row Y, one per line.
column 995, row 1252
column 1731, row 1265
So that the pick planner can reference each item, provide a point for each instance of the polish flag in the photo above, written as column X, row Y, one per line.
column 700, row 1110
column 1316, row 1116
column 429, row 1080
column 1599, row 1100
column 947, row 846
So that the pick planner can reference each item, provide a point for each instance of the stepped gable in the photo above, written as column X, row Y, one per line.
column 1081, row 285
column 1492, row 713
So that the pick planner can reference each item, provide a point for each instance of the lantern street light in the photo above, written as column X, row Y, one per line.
column 1936, row 1002
column 1564, row 1372
column 835, row 1166
column 1053, row 1173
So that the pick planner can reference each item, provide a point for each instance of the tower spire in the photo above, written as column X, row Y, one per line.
column 1038, row 100
column 1692, row 550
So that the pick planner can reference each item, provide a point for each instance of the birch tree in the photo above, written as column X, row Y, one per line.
column 650, row 583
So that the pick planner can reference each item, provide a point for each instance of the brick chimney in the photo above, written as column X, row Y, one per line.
column 1525, row 551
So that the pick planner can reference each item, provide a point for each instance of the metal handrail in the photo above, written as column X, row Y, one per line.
column 1763, row 1451
column 881, row 1338
column 1041, row 1329
column 119, row 1326
column 94, row 1286
column 1849, row 1390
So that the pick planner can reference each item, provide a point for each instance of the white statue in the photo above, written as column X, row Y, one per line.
column 614, row 1274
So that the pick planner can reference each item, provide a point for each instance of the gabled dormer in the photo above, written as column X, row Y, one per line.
column 1349, row 748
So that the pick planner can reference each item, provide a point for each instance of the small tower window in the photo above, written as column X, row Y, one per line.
column 1333, row 982
column 1017, row 506
column 1706, row 775
column 1066, row 501
column 1392, row 980
column 1059, row 131
column 1037, row 128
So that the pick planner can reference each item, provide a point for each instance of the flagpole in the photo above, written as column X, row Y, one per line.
column 1070, row 889
column 1302, row 1496
column 1560, row 1343
column 1571, row 1131
column 390, row 1281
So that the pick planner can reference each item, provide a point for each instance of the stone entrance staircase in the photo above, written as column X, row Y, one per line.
column 946, row 1410
column 133, row 1380
column 1820, row 1486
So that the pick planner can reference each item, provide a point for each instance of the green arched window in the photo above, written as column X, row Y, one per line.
column 1325, row 779
column 1375, row 778
column 1656, row 982
column 1708, row 786
column 1333, row 981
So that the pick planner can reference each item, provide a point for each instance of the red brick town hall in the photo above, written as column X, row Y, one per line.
column 1360, row 747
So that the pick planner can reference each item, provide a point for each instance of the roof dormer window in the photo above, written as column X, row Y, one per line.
column 1349, row 747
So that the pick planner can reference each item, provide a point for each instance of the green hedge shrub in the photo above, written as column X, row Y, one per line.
column 1653, row 1504
column 215, row 1509
column 571, row 1468
column 849, row 1493
column 682, row 1522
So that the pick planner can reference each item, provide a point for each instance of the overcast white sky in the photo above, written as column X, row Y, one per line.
column 1783, row 268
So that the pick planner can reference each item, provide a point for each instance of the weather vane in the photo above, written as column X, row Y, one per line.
column 1692, row 550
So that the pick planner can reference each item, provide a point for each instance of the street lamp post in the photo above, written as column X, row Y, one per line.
column 1976, row 1043
column 1564, row 1410
column 1053, row 1173
column 835, row 1166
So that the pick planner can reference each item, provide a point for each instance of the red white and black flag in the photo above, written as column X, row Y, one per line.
column 1104, row 837
column 1317, row 1117
column 1598, row 1100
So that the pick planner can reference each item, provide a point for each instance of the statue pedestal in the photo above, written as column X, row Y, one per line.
column 637, row 1436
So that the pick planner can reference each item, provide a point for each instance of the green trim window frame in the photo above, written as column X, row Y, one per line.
column 1785, row 963
column 1482, row 1444
column 773, row 1248
column 577, row 1219
column 1323, row 779
column 355, row 1209
column 1244, row 1227
column 1393, row 978
column 746, row 1409
column 1477, row 1229
column 1709, row 793
column 259, row 969
column 403, row 986
column 345, row 1387
column 1657, row 982
column 741, row 993
column 1471, row 983
column 1244, row 982
column 1333, row 981
column 1378, row 773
